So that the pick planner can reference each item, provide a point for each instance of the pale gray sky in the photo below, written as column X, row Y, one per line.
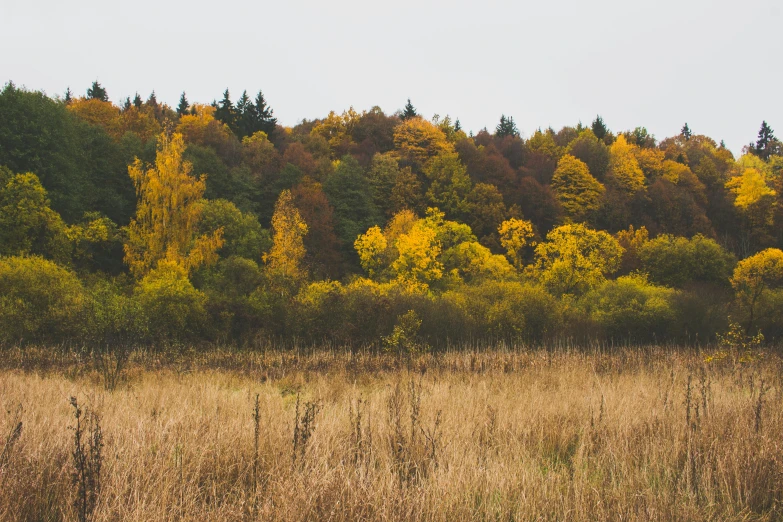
column 713, row 63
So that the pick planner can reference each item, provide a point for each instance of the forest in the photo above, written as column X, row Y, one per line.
column 212, row 224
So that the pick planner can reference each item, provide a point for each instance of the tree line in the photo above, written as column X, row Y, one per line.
column 213, row 222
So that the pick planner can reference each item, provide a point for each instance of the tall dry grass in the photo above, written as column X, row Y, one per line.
column 496, row 435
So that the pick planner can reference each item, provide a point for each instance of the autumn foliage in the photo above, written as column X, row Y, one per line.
column 217, row 223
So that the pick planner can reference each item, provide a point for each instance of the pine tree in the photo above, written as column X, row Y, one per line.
column 96, row 92
column 409, row 111
column 137, row 101
column 506, row 127
column 686, row 132
column 457, row 126
column 68, row 95
column 182, row 108
column 225, row 111
column 599, row 128
column 126, row 105
column 265, row 120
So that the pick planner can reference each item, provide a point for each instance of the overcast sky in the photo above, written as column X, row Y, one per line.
column 715, row 64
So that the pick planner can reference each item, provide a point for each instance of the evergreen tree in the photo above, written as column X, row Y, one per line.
column 137, row 101
column 409, row 111
column 686, row 132
column 182, row 108
column 68, row 96
column 96, row 92
column 457, row 126
column 265, row 120
column 506, row 127
column 766, row 145
column 225, row 111
column 246, row 116
column 152, row 103
column 599, row 128
column 126, row 105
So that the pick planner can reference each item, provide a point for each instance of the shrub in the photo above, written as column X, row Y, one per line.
column 39, row 301
column 675, row 261
column 631, row 308
column 175, row 308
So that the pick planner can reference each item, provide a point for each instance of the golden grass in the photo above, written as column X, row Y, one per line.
column 499, row 435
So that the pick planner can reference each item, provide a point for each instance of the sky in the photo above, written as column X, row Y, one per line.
column 713, row 64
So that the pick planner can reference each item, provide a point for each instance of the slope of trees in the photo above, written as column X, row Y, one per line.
column 214, row 222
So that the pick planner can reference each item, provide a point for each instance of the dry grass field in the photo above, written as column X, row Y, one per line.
column 631, row 434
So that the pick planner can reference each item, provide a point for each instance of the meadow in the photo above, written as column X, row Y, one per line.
column 601, row 433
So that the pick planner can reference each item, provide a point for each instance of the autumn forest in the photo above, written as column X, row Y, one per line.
column 211, row 223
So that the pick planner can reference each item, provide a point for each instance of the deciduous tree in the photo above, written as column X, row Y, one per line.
column 168, row 212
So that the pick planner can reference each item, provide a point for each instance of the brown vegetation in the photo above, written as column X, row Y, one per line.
column 631, row 434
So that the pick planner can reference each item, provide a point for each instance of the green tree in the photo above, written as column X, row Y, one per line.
column 449, row 184
column 351, row 197
column 265, row 119
column 686, row 132
column 39, row 301
column 409, row 111
column 243, row 235
column 506, row 127
column 599, row 128
column 767, row 145
column 225, row 111
column 97, row 92
column 184, row 107
column 676, row 261
column 27, row 224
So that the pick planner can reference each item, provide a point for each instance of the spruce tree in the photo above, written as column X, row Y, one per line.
column 246, row 116
column 457, row 126
column 96, row 92
column 68, row 96
column 126, row 105
column 182, row 108
column 766, row 145
column 599, row 128
column 137, row 101
column 506, row 127
column 265, row 120
column 225, row 111
column 686, row 132
column 409, row 111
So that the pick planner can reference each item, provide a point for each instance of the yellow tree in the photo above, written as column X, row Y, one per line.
column 624, row 167
column 417, row 140
column 284, row 260
column 168, row 212
column 579, row 193
column 371, row 247
column 575, row 258
column 515, row 234
column 418, row 255
column 754, row 278
column 754, row 199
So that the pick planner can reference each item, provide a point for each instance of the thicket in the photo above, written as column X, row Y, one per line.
column 137, row 224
